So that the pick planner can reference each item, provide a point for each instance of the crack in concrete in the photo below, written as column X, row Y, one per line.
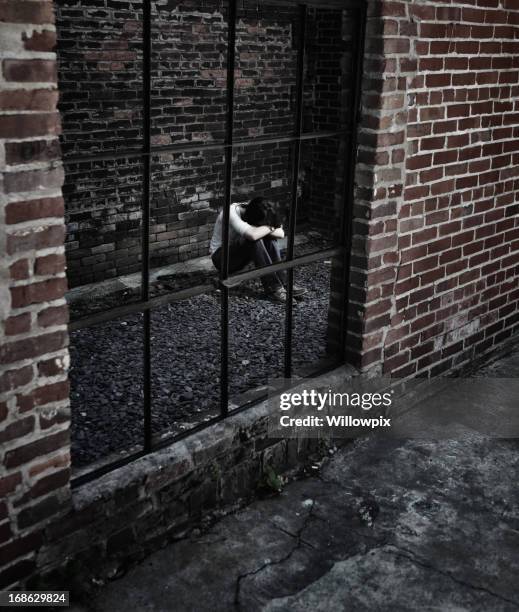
column 297, row 546
column 411, row 557
column 407, row 554
column 380, row 543
column 292, row 535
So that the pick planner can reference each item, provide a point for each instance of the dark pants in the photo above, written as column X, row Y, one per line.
column 262, row 252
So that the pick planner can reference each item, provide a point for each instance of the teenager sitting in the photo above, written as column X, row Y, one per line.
column 254, row 230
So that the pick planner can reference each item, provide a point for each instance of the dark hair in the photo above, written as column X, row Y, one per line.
column 260, row 211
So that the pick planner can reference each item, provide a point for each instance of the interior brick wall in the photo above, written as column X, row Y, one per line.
column 436, row 247
column 34, row 413
column 100, row 77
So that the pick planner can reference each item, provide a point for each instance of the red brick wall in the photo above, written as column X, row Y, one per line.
column 437, row 230
column 434, row 267
column 34, row 417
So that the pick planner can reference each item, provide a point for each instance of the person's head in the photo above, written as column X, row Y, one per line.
column 260, row 211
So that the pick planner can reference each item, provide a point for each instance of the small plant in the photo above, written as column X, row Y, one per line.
column 215, row 470
column 270, row 482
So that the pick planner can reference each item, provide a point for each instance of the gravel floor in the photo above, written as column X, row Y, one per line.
column 106, row 374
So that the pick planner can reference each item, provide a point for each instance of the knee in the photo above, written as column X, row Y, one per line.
column 256, row 244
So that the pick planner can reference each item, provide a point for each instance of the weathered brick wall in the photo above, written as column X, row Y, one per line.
column 436, row 238
column 434, row 272
column 101, row 87
column 34, row 416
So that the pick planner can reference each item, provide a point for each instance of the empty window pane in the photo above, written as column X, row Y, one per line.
column 106, row 391
column 185, row 364
column 189, row 71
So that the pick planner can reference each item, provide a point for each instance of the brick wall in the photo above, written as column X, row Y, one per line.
column 101, row 87
column 433, row 281
column 34, row 416
column 436, row 248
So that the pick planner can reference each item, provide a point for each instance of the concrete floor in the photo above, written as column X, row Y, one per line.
column 387, row 525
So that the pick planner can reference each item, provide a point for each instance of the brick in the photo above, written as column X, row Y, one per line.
column 29, row 348
column 41, row 511
column 37, row 293
column 17, row 324
column 28, row 100
column 35, row 239
column 6, row 533
column 33, row 180
column 43, row 446
column 28, row 126
column 48, row 394
column 30, row 71
column 13, row 379
column 51, row 367
column 56, row 418
column 9, row 483
column 26, row 11
column 18, row 212
column 18, row 429
column 48, row 464
column 50, row 264
column 40, row 41
column 50, row 483
column 32, row 151
column 55, row 315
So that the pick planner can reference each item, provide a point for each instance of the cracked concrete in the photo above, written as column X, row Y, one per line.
column 446, row 537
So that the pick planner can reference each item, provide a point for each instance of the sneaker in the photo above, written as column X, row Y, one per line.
column 232, row 284
column 298, row 291
column 278, row 295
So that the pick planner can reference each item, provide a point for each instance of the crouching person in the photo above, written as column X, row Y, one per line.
column 254, row 230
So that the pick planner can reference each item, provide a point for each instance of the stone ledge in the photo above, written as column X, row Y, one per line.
column 117, row 520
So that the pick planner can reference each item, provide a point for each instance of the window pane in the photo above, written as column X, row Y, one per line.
column 186, row 197
column 256, row 342
column 103, row 242
column 100, row 75
column 106, row 382
column 185, row 361
column 260, row 170
column 189, row 71
column 316, row 332
column 327, row 78
column 265, row 77
column 321, row 192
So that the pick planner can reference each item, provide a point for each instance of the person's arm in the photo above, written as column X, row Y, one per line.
column 244, row 229
column 278, row 232
column 257, row 233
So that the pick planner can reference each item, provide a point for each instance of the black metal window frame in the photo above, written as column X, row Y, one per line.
column 146, row 304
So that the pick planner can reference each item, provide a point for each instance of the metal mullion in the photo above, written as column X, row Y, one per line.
column 295, row 174
column 283, row 265
column 169, row 298
column 350, row 165
column 145, row 234
column 224, row 272
column 187, row 148
column 120, row 311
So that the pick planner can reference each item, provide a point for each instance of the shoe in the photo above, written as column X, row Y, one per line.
column 232, row 284
column 298, row 291
column 278, row 295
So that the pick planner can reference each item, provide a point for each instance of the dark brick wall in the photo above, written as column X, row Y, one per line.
column 100, row 64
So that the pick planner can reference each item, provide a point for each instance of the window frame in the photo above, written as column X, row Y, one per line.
column 146, row 304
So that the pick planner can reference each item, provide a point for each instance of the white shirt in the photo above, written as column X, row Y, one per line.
column 237, row 228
